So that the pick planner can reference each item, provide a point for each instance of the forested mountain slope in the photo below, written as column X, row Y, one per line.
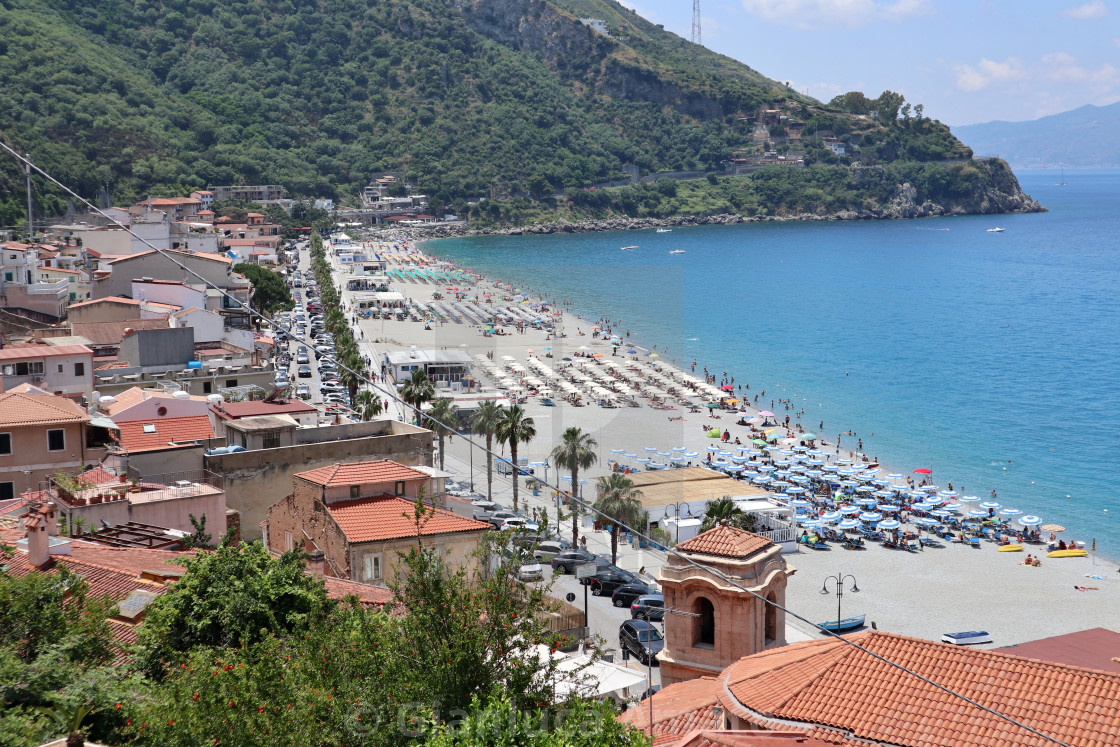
column 465, row 98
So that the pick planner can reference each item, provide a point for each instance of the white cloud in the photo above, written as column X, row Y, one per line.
column 807, row 14
column 988, row 72
column 1063, row 67
column 1091, row 11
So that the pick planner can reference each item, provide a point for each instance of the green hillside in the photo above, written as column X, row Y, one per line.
column 465, row 98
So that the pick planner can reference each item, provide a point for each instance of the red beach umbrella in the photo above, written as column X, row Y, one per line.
column 923, row 471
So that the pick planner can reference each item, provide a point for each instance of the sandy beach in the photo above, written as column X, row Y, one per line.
column 949, row 587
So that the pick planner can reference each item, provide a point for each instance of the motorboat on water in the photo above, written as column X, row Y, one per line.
column 677, row 251
column 997, row 229
column 627, row 248
column 664, row 230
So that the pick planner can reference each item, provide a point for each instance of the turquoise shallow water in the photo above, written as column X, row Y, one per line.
column 992, row 358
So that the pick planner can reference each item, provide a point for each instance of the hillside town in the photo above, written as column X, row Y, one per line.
column 155, row 412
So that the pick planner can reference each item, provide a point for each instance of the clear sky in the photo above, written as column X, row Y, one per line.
column 966, row 61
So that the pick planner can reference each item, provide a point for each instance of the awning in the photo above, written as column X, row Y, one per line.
column 103, row 422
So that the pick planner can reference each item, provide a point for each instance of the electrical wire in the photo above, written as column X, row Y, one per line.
column 586, row 506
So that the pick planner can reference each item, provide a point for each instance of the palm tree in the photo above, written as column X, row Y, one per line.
column 353, row 374
column 621, row 503
column 442, row 418
column 485, row 423
column 514, row 428
column 334, row 320
column 418, row 389
column 368, row 404
column 719, row 511
column 575, row 451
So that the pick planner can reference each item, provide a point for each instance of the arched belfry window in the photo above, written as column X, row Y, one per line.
column 771, row 617
column 705, row 623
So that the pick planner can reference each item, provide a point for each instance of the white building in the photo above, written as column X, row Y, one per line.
column 441, row 366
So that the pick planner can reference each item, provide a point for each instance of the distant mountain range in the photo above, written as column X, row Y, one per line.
column 1088, row 137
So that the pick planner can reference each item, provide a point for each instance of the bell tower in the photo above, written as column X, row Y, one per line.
column 723, row 623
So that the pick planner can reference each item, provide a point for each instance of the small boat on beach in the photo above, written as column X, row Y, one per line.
column 627, row 248
column 1011, row 548
column 664, row 230
column 997, row 229
column 968, row 638
column 848, row 623
column 1074, row 553
column 677, row 251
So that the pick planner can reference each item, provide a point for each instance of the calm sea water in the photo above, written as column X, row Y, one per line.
column 993, row 358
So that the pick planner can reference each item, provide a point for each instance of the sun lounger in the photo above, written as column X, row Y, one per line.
column 974, row 541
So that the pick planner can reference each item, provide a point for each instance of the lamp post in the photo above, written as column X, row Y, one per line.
column 839, row 580
column 649, row 665
column 677, row 515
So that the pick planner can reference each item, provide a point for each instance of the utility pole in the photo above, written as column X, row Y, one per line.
column 30, row 222
column 696, row 22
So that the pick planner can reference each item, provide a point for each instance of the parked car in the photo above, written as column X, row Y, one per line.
column 302, row 358
column 625, row 595
column 499, row 516
column 303, row 391
column 518, row 523
column 530, row 572
column 547, row 549
column 483, row 510
column 606, row 581
column 648, row 607
column 566, row 561
column 304, row 372
column 642, row 639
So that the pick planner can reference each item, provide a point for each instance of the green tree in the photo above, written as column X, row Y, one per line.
column 368, row 404
column 353, row 374
column 232, row 596
column 575, row 452
column 724, row 510
column 621, row 503
column 270, row 293
column 200, row 537
column 418, row 389
column 514, row 428
column 485, row 422
column 442, row 417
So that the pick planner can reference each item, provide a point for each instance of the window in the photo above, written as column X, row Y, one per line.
column 705, row 624
column 7, row 491
column 34, row 368
column 206, row 388
column 149, row 427
column 271, row 440
column 60, row 368
column 56, row 439
column 288, row 546
column 355, row 491
column 771, row 619
column 371, row 570
column 231, row 383
column 80, row 369
column 8, row 276
column 5, row 444
column 23, row 368
column 399, row 489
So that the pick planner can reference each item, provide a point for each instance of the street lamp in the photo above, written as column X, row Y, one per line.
column 677, row 515
column 839, row 580
column 649, row 665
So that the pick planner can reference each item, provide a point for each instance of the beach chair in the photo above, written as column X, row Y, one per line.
column 974, row 541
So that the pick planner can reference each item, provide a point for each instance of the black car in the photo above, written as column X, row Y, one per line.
column 648, row 607
column 642, row 639
column 567, row 561
column 606, row 581
column 625, row 595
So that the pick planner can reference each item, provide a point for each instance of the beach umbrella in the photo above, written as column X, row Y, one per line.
column 678, row 458
column 952, row 507
column 712, row 406
column 815, row 452
column 923, row 471
column 925, row 522
column 812, row 523
column 662, row 453
column 889, row 524
column 691, row 454
column 650, row 449
column 849, row 510
column 873, row 471
column 865, row 489
column 766, row 468
column 720, row 463
column 799, row 503
column 795, row 490
column 628, row 455
column 643, row 460
column 883, row 494
column 1030, row 520
column 990, row 504
column 618, row 451
column 849, row 483
column 867, row 501
column 977, row 512
column 679, row 448
column 809, row 436
column 724, row 453
column 940, row 513
column 1011, row 512
column 934, row 500
column 888, row 508
column 758, row 441
column 780, row 484
column 762, row 480
column 948, row 494
column 1052, row 528
column 848, row 524
column 871, row 516
column 733, row 468
column 844, row 462
column 921, row 507
column 831, row 516
column 894, row 476
column 766, row 414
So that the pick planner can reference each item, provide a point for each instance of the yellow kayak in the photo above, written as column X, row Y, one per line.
column 1011, row 548
column 1067, row 554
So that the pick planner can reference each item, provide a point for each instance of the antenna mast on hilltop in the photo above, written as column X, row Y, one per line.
column 696, row 22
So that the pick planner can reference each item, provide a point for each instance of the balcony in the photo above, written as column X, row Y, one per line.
column 60, row 287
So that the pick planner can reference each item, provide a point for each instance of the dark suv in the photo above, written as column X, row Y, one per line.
column 624, row 595
column 642, row 639
column 606, row 581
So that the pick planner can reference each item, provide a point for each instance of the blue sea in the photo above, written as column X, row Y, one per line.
column 992, row 358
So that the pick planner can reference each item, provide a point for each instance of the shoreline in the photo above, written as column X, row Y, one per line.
column 943, row 588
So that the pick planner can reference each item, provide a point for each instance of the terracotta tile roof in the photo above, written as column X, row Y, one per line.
column 98, row 476
column 386, row 517
column 18, row 409
column 167, row 431
column 729, row 738
column 725, row 541
column 361, row 473
column 42, row 351
column 679, row 709
column 134, row 396
column 1096, row 648
column 826, row 683
column 107, row 299
column 235, row 410
column 111, row 333
column 368, row 596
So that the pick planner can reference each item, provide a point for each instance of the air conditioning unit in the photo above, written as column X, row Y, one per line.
column 37, row 379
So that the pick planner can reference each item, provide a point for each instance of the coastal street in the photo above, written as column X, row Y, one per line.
column 944, row 588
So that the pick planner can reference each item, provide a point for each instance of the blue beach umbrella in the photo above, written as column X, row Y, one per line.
column 831, row 516
column 894, row 476
column 629, row 455
column 691, row 454
column 889, row 524
column 812, row 523
column 795, row 491
column 977, row 512
column 1030, row 520
column 650, row 449
column 990, row 504
column 798, row 503
column 662, row 453
column 849, row 510
column 952, row 507
column 762, row 480
column 679, row 448
column 618, row 451
column 940, row 513
column 848, row 524
column 643, row 460
column 888, row 508
column 926, row 522
column 871, row 517
column 1010, row 512
column 733, row 468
